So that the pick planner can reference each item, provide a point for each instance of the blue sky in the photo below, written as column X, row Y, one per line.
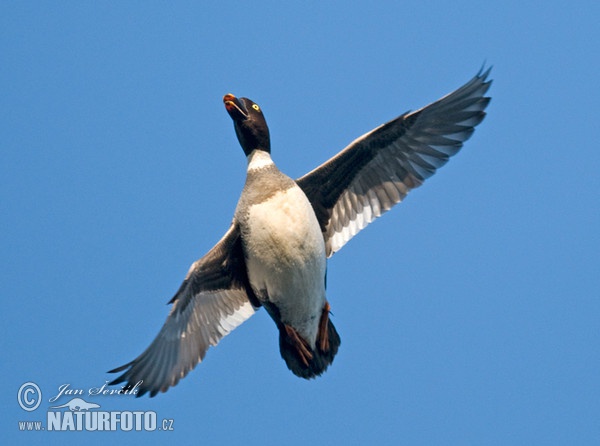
column 468, row 314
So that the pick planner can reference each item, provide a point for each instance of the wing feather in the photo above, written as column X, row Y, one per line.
column 213, row 300
column 377, row 170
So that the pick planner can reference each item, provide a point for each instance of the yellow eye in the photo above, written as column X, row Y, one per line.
column 255, row 107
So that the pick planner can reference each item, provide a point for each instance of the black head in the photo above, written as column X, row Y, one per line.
column 249, row 123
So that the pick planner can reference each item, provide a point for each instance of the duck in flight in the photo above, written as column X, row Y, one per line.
column 283, row 230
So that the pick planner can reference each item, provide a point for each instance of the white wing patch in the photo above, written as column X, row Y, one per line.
column 357, row 207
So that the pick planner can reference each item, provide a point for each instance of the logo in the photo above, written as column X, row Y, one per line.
column 77, row 404
column 77, row 414
column 29, row 396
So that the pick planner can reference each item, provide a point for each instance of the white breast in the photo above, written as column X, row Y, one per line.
column 286, row 258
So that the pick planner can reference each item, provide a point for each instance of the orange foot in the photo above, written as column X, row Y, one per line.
column 323, row 334
column 301, row 346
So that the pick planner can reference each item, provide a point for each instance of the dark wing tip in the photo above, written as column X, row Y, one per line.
column 483, row 71
column 120, row 369
column 482, row 76
column 121, row 378
column 141, row 391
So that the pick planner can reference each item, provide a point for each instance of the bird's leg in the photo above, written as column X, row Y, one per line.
column 323, row 334
column 300, row 345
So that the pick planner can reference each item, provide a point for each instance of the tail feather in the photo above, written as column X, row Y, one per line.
column 297, row 362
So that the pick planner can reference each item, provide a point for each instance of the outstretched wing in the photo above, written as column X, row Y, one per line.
column 214, row 298
column 377, row 170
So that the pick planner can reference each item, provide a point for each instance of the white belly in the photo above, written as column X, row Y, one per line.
column 286, row 259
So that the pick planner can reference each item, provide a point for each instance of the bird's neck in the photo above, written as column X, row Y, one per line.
column 259, row 159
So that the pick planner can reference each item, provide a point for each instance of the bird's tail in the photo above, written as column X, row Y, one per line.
column 301, row 359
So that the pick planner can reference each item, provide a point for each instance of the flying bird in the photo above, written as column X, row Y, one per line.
column 274, row 254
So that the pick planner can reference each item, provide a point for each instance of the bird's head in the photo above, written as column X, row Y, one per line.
column 249, row 123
